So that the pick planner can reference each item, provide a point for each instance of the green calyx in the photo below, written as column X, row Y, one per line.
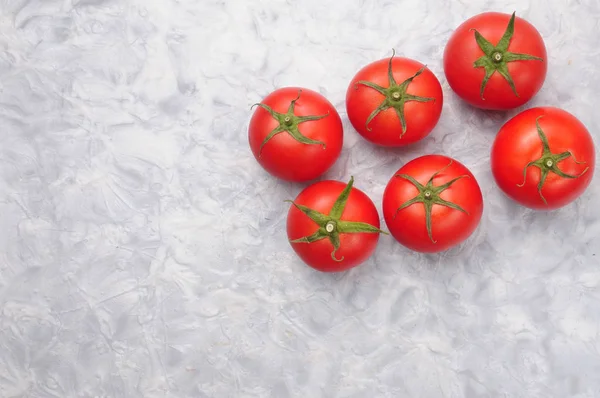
column 496, row 58
column 395, row 96
column 548, row 162
column 288, row 123
column 330, row 225
column 429, row 195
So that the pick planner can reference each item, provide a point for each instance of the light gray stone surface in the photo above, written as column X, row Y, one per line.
column 143, row 250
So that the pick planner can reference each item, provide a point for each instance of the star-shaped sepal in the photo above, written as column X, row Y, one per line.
column 288, row 123
column 496, row 58
column 548, row 162
column 331, row 226
column 396, row 96
column 429, row 195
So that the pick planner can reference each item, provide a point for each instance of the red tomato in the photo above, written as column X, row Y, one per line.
column 333, row 226
column 495, row 61
column 296, row 134
column 432, row 203
column 394, row 102
column 542, row 175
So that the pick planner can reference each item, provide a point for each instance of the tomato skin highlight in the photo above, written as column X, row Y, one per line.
column 355, row 248
column 450, row 227
column 421, row 117
column 517, row 143
column 462, row 51
column 283, row 156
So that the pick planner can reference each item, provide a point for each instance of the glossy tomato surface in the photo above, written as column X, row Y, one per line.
column 385, row 128
column 284, row 156
column 518, row 143
column 462, row 51
column 355, row 248
column 449, row 226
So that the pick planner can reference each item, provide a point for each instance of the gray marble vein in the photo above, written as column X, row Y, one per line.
column 143, row 249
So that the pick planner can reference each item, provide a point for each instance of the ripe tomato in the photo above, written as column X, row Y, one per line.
column 333, row 226
column 495, row 61
column 296, row 134
column 543, row 158
column 432, row 203
column 394, row 102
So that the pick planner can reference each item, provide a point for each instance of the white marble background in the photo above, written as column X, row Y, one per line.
column 142, row 248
